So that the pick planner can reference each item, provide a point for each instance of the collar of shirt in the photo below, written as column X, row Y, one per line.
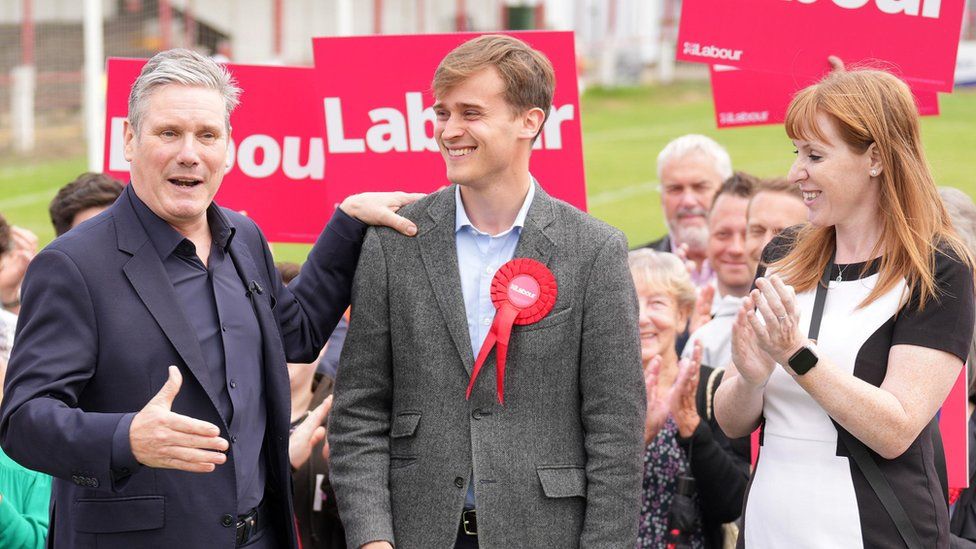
column 166, row 239
column 727, row 306
column 461, row 219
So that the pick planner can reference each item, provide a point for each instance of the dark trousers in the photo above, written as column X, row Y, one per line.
column 268, row 532
column 465, row 541
column 264, row 539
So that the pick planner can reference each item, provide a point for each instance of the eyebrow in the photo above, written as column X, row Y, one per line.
column 440, row 105
column 812, row 143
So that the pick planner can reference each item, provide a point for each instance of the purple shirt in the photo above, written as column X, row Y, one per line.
column 216, row 304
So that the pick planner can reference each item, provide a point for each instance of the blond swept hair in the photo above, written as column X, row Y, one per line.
column 527, row 73
column 872, row 106
column 663, row 271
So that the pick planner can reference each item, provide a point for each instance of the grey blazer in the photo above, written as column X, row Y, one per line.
column 559, row 465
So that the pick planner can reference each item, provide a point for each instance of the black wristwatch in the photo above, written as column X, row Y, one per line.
column 803, row 360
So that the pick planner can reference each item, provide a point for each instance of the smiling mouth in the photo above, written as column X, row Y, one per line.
column 460, row 152
column 810, row 196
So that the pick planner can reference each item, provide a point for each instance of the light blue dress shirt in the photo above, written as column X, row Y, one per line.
column 479, row 255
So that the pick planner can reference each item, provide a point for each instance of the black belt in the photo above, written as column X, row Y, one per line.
column 250, row 524
column 469, row 522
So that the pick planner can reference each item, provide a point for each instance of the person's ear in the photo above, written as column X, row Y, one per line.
column 128, row 140
column 874, row 155
column 532, row 121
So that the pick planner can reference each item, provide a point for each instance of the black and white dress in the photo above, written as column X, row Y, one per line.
column 805, row 491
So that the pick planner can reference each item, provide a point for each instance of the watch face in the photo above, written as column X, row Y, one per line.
column 803, row 360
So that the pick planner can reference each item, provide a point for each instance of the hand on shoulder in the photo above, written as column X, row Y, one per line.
column 381, row 208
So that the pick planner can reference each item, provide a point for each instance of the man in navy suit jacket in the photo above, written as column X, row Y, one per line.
column 148, row 375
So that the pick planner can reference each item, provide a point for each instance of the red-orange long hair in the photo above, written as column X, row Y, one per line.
column 872, row 106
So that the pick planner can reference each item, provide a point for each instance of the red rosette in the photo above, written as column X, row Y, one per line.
column 516, row 280
column 523, row 291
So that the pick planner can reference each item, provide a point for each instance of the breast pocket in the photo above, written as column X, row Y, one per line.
column 554, row 318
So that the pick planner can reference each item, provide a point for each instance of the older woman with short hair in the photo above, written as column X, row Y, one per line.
column 683, row 440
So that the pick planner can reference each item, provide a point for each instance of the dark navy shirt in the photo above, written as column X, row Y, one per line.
column 217, row 306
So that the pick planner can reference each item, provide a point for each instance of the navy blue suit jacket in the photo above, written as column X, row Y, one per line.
column 100, row 325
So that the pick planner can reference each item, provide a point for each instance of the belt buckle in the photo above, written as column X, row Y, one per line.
column 245, row 528
column 469, row 522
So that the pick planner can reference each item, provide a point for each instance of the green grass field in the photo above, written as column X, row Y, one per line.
column 623, row 130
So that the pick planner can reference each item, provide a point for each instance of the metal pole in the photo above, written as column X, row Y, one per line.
column 189, row 25
column 94, row 96
column 665, row 65
column 27, row 34
column 461, row 19
column 278, row 23
column 377, row 16
column 344, row 18
column 608, row 57
column 165, row 25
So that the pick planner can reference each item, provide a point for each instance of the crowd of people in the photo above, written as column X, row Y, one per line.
column 147, row 399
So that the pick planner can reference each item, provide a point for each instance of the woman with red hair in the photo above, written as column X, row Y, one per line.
column 856, row 330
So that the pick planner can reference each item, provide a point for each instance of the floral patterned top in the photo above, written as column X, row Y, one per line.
column 664, row 461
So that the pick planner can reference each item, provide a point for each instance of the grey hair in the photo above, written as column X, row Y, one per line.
column 962, row 212
column 696, row 143
column 187, row 68
column 665, row 272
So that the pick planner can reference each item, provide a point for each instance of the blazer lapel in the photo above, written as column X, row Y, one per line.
column 438, row 248
column 248, row 271
column 249, row 274
column 536, row 240
column 147, row 275
column 262, row 299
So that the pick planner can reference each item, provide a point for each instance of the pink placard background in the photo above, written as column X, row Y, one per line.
column 747, row 98
column 375, row 72
column 954, row 424
column 795, row 37
column 286, row 172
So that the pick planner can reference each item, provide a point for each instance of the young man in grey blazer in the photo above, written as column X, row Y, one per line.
column 414, row 463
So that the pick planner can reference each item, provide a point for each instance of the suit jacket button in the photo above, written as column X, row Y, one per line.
column 476, row 414
column 459, row 482
column 227, row 521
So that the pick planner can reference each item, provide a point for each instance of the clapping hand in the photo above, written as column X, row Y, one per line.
column 682, row 253
column 657, row 407
column 13, row 264
column 684, row 407
column 381, row 208
column 678, row 401
column 309, row 433
column 703, row 308
column 752, row 363
column 779, row 334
